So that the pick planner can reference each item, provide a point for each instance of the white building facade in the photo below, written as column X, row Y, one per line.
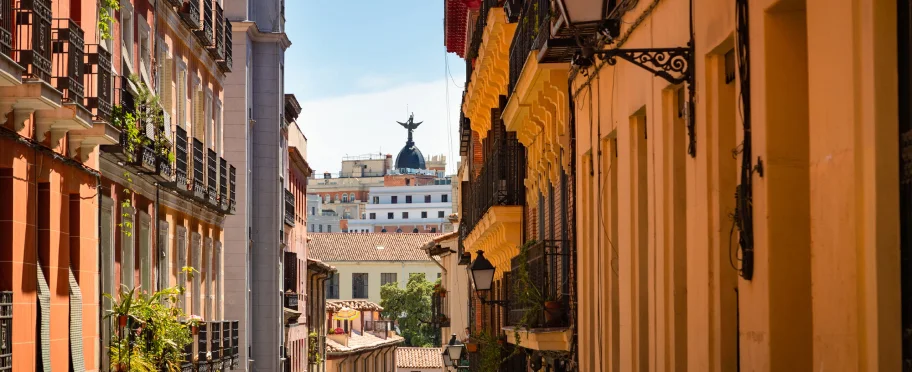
column 406, row 209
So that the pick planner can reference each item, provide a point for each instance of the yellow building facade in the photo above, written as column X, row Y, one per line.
column 742, row 211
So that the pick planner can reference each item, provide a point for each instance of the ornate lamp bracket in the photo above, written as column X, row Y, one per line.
column 661, row 62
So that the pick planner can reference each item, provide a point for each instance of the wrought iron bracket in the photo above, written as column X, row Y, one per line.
column 501, row 303
column 661, row 62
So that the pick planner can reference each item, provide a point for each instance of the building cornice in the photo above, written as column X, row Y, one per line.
column 251, row 28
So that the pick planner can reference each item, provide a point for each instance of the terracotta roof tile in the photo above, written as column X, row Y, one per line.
column 333, row 247
column 418, row 357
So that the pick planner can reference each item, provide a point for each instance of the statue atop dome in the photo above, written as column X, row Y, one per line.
column 410, row 125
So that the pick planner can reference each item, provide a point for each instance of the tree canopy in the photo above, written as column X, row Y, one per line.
column 411, row 308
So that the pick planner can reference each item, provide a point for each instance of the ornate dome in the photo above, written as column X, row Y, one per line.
column 410, row 157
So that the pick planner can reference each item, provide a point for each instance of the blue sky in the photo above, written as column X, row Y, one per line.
column 356, row 65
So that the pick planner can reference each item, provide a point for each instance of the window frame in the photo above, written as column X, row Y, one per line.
column 365, row 287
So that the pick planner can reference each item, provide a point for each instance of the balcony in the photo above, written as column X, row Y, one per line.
column 541, row 316
column 231, row 190
column 202, row 346
column 212, row 179
column 190, row 14
column 500, row 183
column 176, row 3
column 223, row 184
column 32, row 47
column 290, row 273
column 199, row 174
column 6, row 331
column 216, row 345
column 181, row 167
column 289, row 208
column 439, row 308
column 532, row 30
column 219, row 49
column 226, row 62
column 379, row 328
column 164, row 166
column 205, row 17
column 68, row 46
column 291, row 301
column 98, row 98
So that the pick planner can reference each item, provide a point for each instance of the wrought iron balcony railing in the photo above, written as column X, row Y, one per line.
column 480, row 24
column 223, row 184
column 212, row 179
column 289, row 208
column 176, row 3
column 215, row 342
column 205, row 14
column 6, row 331
column 531, row 31
column 164, row 168
column 439, row 311
column 99, row 97
column 231, row 190
column 190, row 13
column 181, row 153
column 199, row 173
column 226, row 62
column 187, row 355
column 219, row 49
column 291, row 301
column 202, row 341
column 290, row 273
column 500, row 182
column 547, row 267
column 6, row 27
column 32, row 47
column 68, row 46
column 226, row 342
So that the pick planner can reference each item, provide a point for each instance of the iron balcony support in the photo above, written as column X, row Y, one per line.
column 675, row 65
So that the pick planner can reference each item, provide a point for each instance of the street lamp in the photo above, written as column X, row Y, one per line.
column 446, row 359
column 483, row 277
column 454, row 349
column 482, row 272
column 584, row 11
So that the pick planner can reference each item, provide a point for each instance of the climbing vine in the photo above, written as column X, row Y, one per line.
column 105, row 17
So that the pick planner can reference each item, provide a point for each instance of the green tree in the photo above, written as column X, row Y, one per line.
column 411, row 308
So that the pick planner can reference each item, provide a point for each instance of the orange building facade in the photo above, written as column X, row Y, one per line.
column 92, row 202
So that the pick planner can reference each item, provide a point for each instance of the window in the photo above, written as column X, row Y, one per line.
column 145, row 253
column 181, row 93
column 415, row 230
column 337, row 198
column 351, row 197
column 206, row 273
column 359, row 285
column 196, row 257
column 312, row 228
column 145, row 50
column 387, row 278
column 126, row 34
column 383, row 230
column 127, row 260
column 394, row 199
column 376, row 200
column 424, row 214
column 443, row 198
column 373, row 216
column 321, row 228
column 329, row 228
column 327, row 199
column 404, row 215
column 398, row 230
column 107, row 263
column 181, row 263
column 427, row 198
column 217, row 279
column 218, row 126
column 408, row 199
column 332, row 287
column 344, row 198
column 439, row 214
column 313, row 211
column 164, row 268
column 433, row 230
column 389, row 215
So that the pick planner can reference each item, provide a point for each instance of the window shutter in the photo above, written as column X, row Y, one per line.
column 167, row 84
column 182, row 262
column 199, row 126
column 76, row 350
column 163, row 262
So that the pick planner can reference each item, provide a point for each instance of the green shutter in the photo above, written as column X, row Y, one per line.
column 77, row 357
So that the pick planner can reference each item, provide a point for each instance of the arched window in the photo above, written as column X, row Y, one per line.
column 384, row 230
column 415, row 230
column 327, row 199
column 398, row 230
column 344, row 198
column 337, row 198
column 351, row 197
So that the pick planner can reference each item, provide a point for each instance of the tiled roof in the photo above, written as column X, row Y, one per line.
column 319, row 266
column 360, row 305
column 333, row 247
column 362, row 342
column 418, row 357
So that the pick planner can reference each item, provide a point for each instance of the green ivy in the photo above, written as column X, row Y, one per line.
column 105, row 20
column 313, row 349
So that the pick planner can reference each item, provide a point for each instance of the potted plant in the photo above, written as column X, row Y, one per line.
column 195, row 320
column 471, row 345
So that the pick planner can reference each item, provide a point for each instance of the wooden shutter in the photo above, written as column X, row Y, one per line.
column 167, row 84
column 199, row 124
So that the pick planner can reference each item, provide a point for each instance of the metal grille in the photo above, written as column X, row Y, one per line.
column 219, row 32
column 231, row 181
column 212, row 180
column 180, row 157
column 33, row 38
column 6, row 331
column 500, row 182
column 68, row 46
column 359, row 285
column 291, row 272
column 227, row 61
column 547, row 274
column 98, row 82
column 205, row 33
column 199, row 180
column 190, row 13
column 202, row 341
column 223, row 182
column 535, row 17
column 226, row 339
column 6, row 27
column 289, row 208
column 216, row 344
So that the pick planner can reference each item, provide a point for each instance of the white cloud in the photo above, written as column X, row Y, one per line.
column 366, row 123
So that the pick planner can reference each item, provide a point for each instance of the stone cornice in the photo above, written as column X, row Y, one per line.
column 251, row 29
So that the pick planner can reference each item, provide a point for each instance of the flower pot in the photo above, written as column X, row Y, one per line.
column 442, row 294
column 471, row 347
column 554, row 313
column 122, row 321
column 194, row 329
